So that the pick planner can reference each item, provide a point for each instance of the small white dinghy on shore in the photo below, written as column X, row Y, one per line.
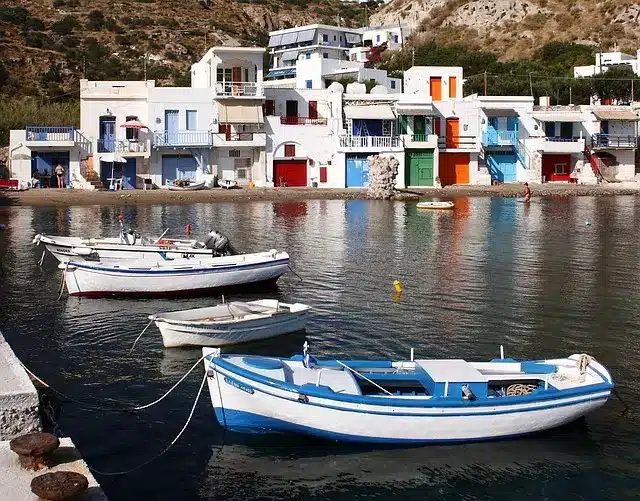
column 227, row 183
column 411, row 401
column 184, row 185
column 230, row 323
column 435, row 205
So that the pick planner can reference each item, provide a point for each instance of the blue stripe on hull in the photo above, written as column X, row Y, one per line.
column 206, row 269
column 249, row 423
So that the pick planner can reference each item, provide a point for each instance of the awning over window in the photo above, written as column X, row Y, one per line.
column 275, row 40
column 289, row 38
column 615, row 115
column 281, row 72
column 370, row 112
column 290, row 55
column 414, row 110
column 352, row 37
column 306, row 35
column 240, row 113
column 558, row 116
column 494, row 112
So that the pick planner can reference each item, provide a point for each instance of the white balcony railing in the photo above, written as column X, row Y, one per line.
column 369, row 141
column 237, row 89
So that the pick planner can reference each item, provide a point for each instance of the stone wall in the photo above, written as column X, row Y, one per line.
column 19, row 409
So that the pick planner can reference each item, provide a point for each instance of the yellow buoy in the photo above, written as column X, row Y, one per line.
column 397, row 286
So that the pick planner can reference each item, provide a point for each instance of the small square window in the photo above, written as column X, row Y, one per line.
column 377, row 38
column 325, row 38
column 241, row 174
column 393, row 84
column 234, row 153
column 325, row 55
column 289, row 150
column 309, row 84
column 307, row 55
column 395, row 38
column 334, row 38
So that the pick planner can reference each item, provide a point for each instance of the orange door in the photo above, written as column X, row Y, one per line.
column 435, row 88
column 453, row 132
column 236, row 75
column 453, row 168
column 452, row 87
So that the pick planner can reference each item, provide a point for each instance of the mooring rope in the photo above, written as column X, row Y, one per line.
column 62, row 282
column 104, row 408
column 138, row 338
column 163, row 451
column 42, row 258
column 292, row 271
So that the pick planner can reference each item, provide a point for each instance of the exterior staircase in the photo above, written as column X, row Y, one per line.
column 596, row 164
column 92, row 177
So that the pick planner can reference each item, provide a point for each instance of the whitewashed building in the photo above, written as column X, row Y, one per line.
column 605, row 60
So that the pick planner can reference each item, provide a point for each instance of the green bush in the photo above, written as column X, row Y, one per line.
column 18, row 113
column 95, row 20
column 65, row 26
column 36, row 39
column 14, row 15
column 58, row 3
column 33, row 24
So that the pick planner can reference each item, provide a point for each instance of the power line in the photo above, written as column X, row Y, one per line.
column 550, row 77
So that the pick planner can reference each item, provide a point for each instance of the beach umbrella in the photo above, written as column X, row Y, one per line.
column 134, row 124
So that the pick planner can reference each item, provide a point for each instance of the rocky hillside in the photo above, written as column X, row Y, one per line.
column 518, row 28
column 46, row 45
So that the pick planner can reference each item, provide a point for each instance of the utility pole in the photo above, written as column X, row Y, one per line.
column 570, row 96
column 205, row 41
column 633, row 80
column 530, row 84
column 145, row 66
column 413, row 57
column 485, row 82
column 84, row 66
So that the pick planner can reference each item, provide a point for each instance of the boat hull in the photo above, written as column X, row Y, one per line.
column 191, row 187
column 67, row 253
column 174, row 335
column 244, row 405
column 88, row 279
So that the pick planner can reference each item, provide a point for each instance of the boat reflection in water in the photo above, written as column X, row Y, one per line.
column 287, row 468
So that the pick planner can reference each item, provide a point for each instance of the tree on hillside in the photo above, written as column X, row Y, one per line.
column 615, row 83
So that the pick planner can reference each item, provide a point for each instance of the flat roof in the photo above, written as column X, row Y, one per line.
column 315, row 26
column 228, row 48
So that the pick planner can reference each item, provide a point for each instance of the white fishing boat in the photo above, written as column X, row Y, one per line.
column 131, row 246
column 405, row 401
column 183, row 275
column 184, row 185
column 435, row 205
column 227, row 183
column 230, row 323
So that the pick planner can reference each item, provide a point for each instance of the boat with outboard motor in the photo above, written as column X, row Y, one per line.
column 230, row 323
column 130, row 245
column 405, row 401
column 178, row 276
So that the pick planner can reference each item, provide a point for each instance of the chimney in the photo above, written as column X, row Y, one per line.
column 545, row 101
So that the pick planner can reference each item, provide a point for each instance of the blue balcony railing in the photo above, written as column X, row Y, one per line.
column 41, row 133
column 613, row 141
column 183, row 138
column 106, row 145
column 494, row 137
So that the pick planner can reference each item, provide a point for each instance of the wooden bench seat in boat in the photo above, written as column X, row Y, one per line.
column 445, row 378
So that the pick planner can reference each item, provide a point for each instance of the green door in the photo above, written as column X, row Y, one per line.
column 419, row 168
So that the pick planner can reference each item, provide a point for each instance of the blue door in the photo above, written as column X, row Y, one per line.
column 176, row 167
column 129, row 174
column 171, row 126
column 503, row 166
column 107, row 142
column 357, row 171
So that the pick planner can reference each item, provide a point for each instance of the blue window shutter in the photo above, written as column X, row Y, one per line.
column 309, row 84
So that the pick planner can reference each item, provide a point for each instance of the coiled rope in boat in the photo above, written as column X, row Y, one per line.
column 518, row 389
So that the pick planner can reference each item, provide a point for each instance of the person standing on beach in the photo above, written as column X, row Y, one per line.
column 59, row 172
column 527, row 192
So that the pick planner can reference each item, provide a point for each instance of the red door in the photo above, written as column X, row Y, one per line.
column 313, row 110
column 289, row 173
column 556, row 167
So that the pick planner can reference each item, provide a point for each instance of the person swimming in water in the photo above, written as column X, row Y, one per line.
column 527, row 192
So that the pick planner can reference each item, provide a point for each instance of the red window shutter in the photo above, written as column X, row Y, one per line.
column 323, row 174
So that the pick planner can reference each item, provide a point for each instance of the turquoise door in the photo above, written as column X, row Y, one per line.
column 503, row 166
column 357, row 171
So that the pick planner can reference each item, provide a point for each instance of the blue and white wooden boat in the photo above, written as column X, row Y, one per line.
column 402, row 402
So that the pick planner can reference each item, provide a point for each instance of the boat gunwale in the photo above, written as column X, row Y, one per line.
column 419, row 402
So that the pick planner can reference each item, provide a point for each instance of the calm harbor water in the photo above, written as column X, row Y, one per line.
column 555, row 277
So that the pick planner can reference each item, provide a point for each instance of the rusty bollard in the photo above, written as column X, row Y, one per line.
column 35, row 450
column 59, row 486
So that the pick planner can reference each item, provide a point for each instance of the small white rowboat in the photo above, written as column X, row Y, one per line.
column 405, row 401
column 230, row 323
column 227, row 183
column 435, row 205
column 192, row 186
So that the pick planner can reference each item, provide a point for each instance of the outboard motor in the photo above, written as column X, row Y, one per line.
column 132, row 236
column 219, row 244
